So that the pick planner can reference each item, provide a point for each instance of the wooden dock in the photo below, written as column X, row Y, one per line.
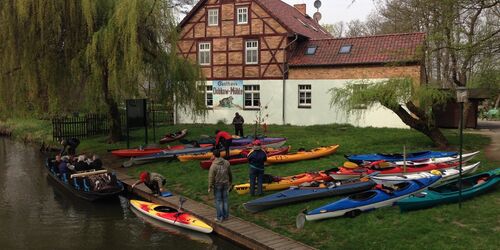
column 237, row 230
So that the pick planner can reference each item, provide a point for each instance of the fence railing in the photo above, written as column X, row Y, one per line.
column 98, row 124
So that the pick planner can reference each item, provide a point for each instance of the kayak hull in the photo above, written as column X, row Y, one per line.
column 399, row 157
column 242, row 158
column 171, row 216
column 303, row 155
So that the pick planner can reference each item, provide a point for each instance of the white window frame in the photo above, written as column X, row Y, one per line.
column 251, row 90
column 305, row 95
column 243, row 13
column 209, row 95
column 213, row 17
column 251, row 49
column 204, row 48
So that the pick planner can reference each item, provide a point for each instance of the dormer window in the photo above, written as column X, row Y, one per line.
column 311, row 50
column 242, row 15
column 213, row 17
column 345, row 49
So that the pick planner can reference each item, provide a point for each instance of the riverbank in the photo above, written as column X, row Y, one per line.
column 473, row 226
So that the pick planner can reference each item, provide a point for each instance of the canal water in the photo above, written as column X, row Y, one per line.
column 36, row 214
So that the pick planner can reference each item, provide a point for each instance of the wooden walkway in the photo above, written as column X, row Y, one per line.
column 242, row 232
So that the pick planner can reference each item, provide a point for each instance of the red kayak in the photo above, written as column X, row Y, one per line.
column 242, row 157
column 150, row 151
column 348, row 173
column 173, row 136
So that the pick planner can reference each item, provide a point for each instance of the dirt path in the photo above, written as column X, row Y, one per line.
column 491, row 129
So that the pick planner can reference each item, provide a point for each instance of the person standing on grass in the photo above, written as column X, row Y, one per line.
column 256, row 159
column 220, row 181
column 238, row 124
column 223, row 139
column 153, row 181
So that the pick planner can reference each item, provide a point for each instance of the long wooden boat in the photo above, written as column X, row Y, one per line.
column 171, row 216
column 242, row 157
column 303, row 155
column 449, row 193
column 173, row 136
column 81, row 186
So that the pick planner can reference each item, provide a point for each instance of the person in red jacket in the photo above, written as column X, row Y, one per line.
column 223, row 139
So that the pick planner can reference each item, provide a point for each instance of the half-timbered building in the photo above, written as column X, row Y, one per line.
column 268, row 56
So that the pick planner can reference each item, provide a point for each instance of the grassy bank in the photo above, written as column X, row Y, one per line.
column 475, row 226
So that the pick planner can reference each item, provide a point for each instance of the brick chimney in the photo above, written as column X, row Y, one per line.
column 301, row 8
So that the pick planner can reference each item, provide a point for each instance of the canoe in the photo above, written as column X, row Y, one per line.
column 81, row 184
column 249, row 139
column 280, row 183
column 173, row 136
column 447, row 175
column 303, row 155
column 171, row 216
column 416, row 156
column 347, row 173
column 164, row 155
column 172, row 150
column 300, row 194
column 242, row 157
column 355, row 204
column 234, row 150
column 449, row 193
column 455, row 158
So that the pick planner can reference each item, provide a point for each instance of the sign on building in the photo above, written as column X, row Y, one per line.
column 228, row 94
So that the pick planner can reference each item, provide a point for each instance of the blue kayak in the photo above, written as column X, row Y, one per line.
column 416, row 156
column 298, row 194
column 449, row 193
column 369, row 200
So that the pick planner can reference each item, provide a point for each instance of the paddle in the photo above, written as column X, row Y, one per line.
column 128, row 163
column 300, row 220
column 179, row 210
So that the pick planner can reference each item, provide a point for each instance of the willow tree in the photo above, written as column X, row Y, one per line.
column 401, row 97
column 64, row 55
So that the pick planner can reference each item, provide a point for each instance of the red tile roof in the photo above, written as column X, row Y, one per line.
column 286, row 15
column 293, row 20
column 365, row 50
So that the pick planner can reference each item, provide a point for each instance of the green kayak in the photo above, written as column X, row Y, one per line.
column 449, row 193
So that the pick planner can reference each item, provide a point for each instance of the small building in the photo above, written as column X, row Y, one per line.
column 267, row 56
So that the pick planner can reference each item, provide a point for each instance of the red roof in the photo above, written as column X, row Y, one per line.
column 293, row 20
column 364, row 50
column 286, row 15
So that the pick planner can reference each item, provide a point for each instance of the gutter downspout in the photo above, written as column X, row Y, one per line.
column 285, row 71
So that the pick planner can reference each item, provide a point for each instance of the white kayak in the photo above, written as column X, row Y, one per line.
column 455, row 158
column 446, row 175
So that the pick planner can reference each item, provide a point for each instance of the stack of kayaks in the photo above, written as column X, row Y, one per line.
column 471, row 186
column 416, row 156
column 173, row 136
column 280, row 183
column 242, row 157
column 447, row 175
column 303, row 155
column 248, row 140
column 369, row 200
column 348, row 173
column 171, row 216
column 299, row 194
column 448, row 159
column 207, row 155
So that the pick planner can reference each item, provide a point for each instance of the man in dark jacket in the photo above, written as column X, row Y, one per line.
column 238, row 124
column 220, row 181
column 256, row 160
column 223, row 139
column 69, row 146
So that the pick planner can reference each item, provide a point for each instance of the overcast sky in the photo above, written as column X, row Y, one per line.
column 333, row 11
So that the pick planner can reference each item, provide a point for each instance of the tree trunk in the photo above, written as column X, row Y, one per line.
column 422, row 124
column 115, row 128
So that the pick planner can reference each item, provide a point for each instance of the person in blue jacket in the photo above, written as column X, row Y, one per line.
column 256, row 160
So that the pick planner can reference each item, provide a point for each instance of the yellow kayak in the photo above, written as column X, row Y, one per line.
column 303, row 155
column 206, row 156
column 285, row 182
column 171, row 216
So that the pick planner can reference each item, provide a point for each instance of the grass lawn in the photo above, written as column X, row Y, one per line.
column 475, row 226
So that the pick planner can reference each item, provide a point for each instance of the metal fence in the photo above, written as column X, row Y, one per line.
column 83, row 126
